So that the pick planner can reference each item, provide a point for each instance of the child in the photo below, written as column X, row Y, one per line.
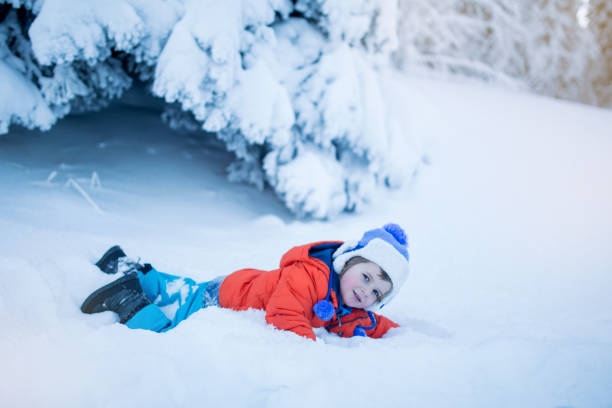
column 325, row 284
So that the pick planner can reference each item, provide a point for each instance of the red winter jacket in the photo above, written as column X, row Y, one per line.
column 288, row 294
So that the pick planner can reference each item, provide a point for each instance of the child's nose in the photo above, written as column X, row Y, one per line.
column 364, row 293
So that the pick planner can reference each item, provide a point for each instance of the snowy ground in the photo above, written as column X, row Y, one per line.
column 508, row 305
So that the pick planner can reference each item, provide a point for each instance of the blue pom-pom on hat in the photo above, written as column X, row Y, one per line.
column 397, row 232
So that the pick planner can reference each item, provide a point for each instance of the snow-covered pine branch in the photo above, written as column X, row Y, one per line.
column 290, row 87
column 21, row 101
column 296, row 102
column 77, row 54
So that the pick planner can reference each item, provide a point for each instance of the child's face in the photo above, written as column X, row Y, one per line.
column 361, row 285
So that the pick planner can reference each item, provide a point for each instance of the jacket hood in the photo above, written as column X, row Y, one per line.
column 301, row 253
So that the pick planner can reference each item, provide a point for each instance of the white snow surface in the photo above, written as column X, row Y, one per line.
column 508, row 303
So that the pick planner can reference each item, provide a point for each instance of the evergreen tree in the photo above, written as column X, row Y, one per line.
column 291, row 87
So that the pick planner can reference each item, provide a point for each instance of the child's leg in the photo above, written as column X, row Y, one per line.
column 173, row 299
column 164, row 289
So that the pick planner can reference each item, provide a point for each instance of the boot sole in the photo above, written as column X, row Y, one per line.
column 95, row 302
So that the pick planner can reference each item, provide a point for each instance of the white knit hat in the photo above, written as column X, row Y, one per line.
column 387, row 247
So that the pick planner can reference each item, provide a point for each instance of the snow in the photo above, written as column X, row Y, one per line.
column 29, row 109
column 508, row 303
column 68, row 30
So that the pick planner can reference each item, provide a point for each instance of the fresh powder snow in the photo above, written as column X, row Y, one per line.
column 509, row 220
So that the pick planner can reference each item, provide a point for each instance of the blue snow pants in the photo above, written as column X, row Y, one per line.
column 173, row 299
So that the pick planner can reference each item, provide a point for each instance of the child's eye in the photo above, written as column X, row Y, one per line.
column 366, row 277
column 376, row 293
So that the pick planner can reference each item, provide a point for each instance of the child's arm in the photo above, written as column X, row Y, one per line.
column 290, row 306
column 383, row 325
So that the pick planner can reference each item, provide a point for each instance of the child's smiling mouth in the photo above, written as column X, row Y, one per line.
column 356, row 296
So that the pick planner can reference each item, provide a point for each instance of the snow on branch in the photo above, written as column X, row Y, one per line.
column 69, row 30
column 285, row 96
column 290, row 87
column 29, row 109
column 81, row 54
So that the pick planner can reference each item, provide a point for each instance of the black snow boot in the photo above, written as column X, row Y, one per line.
column 109, row 262
column 123, row 296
